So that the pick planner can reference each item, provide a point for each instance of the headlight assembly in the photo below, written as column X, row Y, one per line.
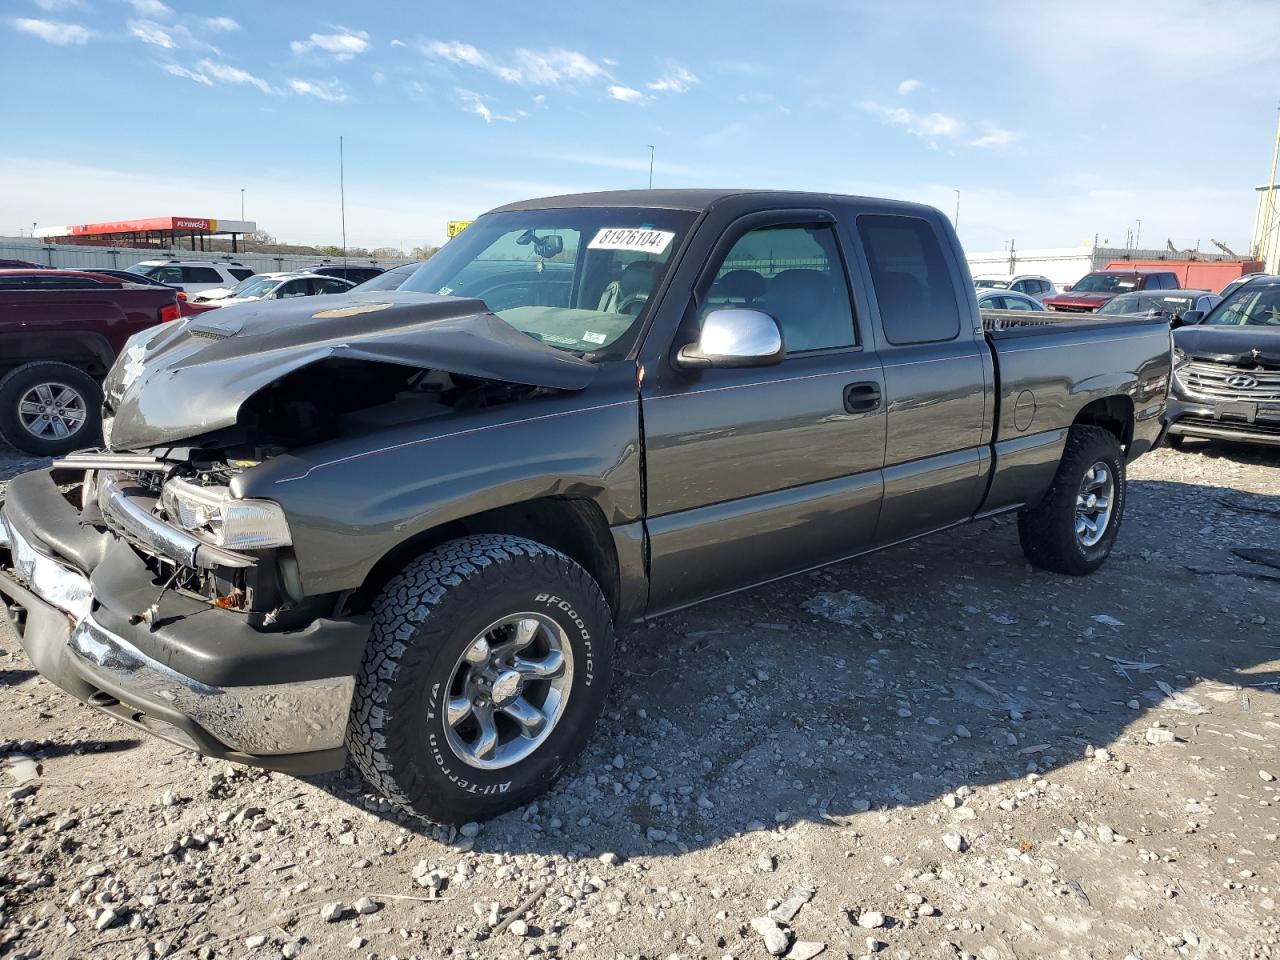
column 213, row 515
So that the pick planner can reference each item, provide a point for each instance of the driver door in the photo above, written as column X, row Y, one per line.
column 759, row 472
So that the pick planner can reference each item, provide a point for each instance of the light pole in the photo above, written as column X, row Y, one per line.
column 957, row 219
column 651, row 166
column 242, row 203
column 1137, row 238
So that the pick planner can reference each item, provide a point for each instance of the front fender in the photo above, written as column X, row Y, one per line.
column 352, row 501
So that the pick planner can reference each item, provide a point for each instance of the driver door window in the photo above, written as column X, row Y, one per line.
column 294, row 288
column 795, row 274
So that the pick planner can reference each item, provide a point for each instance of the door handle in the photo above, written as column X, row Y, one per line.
column 862, row 397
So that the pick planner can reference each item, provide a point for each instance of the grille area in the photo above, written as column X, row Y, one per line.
column 1210, row 427
column 1214, row 380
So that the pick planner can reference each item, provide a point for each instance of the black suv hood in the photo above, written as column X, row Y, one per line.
column 188, row 378
column 1231, row 344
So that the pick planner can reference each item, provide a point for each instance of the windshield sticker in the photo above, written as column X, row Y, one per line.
column 628, row 238
column 556, row 338
column 596, row 338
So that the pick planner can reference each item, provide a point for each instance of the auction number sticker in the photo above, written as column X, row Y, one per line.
column 630, row 238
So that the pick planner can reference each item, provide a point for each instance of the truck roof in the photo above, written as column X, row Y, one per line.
column 1140, row 271
column 695, row 200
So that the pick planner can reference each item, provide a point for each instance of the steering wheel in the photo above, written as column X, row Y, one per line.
column 636, row 300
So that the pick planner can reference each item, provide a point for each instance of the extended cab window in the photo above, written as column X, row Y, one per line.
column 918, row 302
column 580, row 278
column 794, row 274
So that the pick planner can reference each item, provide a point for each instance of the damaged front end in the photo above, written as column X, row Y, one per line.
column 150, row 582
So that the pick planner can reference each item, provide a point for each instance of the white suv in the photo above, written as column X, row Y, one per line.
column 194, row 275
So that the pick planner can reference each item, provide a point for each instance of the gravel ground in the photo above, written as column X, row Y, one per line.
column 931, row 752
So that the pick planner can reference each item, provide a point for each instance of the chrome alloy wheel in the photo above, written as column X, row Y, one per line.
column 1094, row 504
column 52, row 411
column 508, row 691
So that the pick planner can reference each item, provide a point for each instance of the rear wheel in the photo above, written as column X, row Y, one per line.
column 49, row 408
column 486, row 670
column 1073, row 529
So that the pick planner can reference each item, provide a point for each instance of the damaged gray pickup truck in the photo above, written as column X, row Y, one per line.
column 404, row 524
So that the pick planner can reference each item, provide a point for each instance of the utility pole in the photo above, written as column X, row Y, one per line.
column 956, row 221
column 1137, row 238
column 1013, row 258
column 1267, row 228
column 242, row 203
column 651, row 166
column 342, row 197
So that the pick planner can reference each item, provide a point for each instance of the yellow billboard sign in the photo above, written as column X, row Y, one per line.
column 457, row 226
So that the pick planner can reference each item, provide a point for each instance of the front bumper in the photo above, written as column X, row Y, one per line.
column 197, row 676
column 1249, row 423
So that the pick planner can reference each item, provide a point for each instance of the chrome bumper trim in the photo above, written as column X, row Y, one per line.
column 157, row 536
column 261, row 720
column 64, row 588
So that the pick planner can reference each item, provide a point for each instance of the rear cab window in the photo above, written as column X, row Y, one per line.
column 912, row 282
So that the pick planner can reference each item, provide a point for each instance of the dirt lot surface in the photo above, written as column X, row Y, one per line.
column 931, row 752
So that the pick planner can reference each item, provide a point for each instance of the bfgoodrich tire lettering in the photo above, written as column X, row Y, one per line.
column 424, row 622
column 1048, row 530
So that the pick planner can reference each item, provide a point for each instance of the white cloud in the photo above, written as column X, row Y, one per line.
column 54, row 31
column 343, row 45
column 936, row 126
column 677, row 80
column 148, row 31
column 473, row 102
column 994, row 136
column 379, row 77
column 330, row 90
column 221, row 24
column 225, row 73
column 151, row 8
column 907, row 87
column 627, row 94
column 181, row 71
column 524, row 67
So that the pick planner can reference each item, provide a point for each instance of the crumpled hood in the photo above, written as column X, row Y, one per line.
column 187, row 378
column 1080, row 299
column 1243, row 344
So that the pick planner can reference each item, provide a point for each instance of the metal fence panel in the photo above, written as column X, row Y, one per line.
column 76, row 257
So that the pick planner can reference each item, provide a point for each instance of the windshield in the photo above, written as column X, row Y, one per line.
column 390, row 280
column 1106, row 283
column 985, row 284
column 145, row 269
column 578, row 278
column 255, row 287
column 1255, row 305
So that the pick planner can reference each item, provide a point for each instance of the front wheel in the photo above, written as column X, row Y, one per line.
column 49, row 408
column 1073, row 529
column 486, row 669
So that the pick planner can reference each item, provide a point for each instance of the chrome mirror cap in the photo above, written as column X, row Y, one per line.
column 735, row 337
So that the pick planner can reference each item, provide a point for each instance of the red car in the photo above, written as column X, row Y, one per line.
column 60, row 331
column 1095, row 291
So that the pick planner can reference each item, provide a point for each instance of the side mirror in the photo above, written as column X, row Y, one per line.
column 1188, row 318
column 735, row 337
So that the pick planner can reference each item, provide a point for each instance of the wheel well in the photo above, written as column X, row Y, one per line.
column 1114, row 413
column 577, row 528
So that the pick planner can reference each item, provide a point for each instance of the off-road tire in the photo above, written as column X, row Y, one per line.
column 1047, row 531
column 423, row 620
column 18, row 381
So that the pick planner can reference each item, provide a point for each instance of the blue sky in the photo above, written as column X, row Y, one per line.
column 1056, row 121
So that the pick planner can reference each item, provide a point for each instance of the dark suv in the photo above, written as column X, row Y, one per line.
column 346, row 272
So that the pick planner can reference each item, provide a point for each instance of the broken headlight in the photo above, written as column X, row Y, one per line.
column 214, row 515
